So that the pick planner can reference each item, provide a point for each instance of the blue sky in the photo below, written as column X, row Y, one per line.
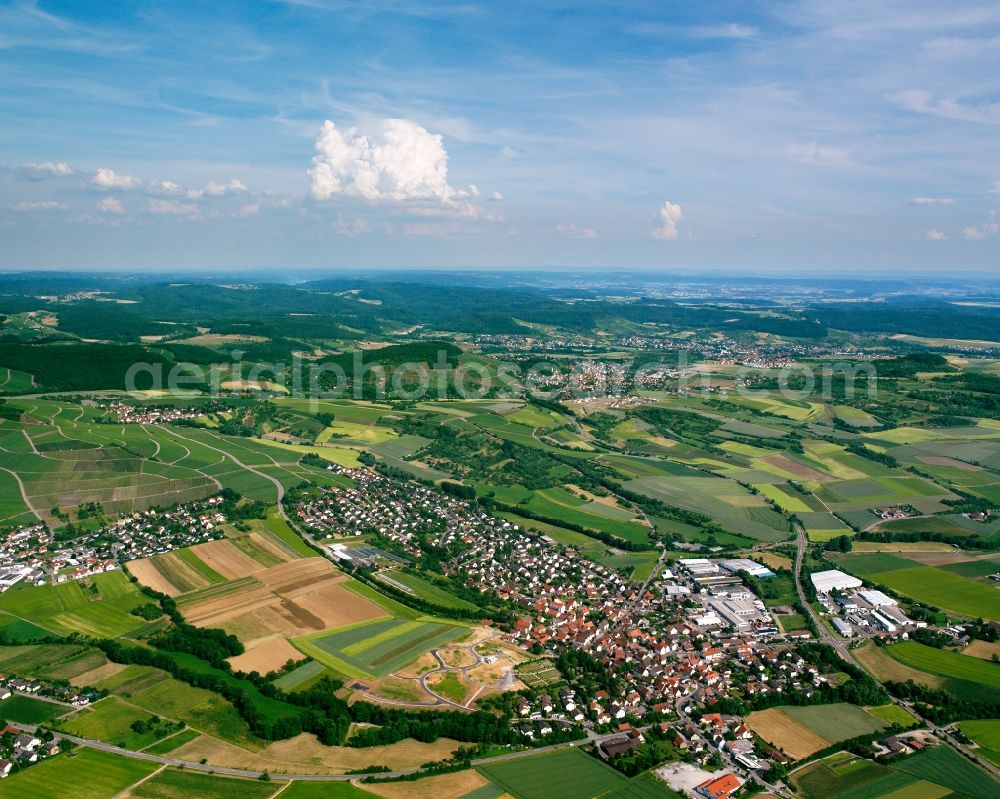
column 798, row 136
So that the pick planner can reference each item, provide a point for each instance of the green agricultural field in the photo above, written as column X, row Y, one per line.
column 637, row 566
column 167, row 745
column 86, row 774
column 17, row 631
column 279, row 528
column 946, row 664
column 928, row 584
column 986, row 733
column 836, row 722
column 724, row 500
column 26, row 710
column 894, row 714
column 15, row 382
column 793, row 621
column 67, row 608
column 568, row 774
column 844, row 776
column 428, row 591
column 788, row 500
column 645, row 786
column 325, row 790
column 557, row 503
column 109, row 720
column 942, row 765
column 301, row 676
column 376, row 648
column 205, row 711
column 36, row 660
column 175, row 784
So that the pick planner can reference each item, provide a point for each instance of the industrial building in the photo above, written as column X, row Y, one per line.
column 876, row 598
column 745, row 565
column 833, row 580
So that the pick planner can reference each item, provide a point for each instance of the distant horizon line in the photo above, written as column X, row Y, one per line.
column 843, row 273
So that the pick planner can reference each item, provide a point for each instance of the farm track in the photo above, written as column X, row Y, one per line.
column 24, row 494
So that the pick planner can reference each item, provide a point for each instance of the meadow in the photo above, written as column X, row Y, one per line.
column 428, row 591
column 986, row 734
column 110, row 720
column 568, row 773
column 27, row 710
column 175, row 784
column 85, row 774
column 68, row 607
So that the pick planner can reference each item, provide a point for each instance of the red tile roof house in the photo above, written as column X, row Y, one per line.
column 719, row 787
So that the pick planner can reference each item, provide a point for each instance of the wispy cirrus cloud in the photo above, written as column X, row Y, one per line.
column 921, row 101
column 43, row 205
column 986, row 230
column 574, row 231
column 818, row 154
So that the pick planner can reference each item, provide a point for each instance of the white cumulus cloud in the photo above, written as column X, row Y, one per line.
column 109, row 179
column 670, row 215
column 936, row 235
column 402, row 161
column 988, row 229
column 111, row 205
column 47, row 169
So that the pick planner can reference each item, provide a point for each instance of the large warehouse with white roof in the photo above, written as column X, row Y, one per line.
column 833, row 580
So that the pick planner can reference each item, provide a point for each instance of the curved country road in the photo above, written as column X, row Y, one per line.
column 279, row 776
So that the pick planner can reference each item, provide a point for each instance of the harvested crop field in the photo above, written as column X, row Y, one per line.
column 265, row 656
column 96, row 674
column 987, row 650
column 146, row 573
column 444, row 786
column 304, row 753
column 793, row 738
column 226, row 558
column 291, row 599
column 194, row 568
